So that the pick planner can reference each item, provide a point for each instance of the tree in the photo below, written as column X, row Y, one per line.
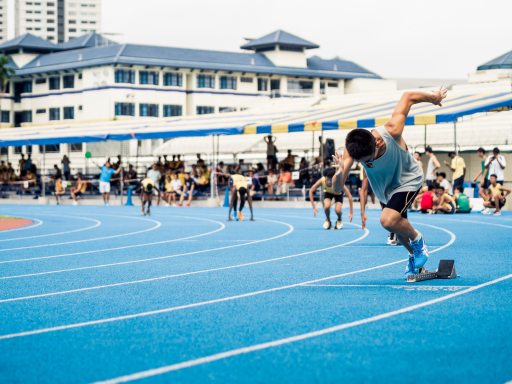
column 5, row 73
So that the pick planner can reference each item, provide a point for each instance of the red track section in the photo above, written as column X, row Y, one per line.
column 13, row 223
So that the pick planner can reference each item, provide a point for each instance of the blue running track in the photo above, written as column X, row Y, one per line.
column 102, row 294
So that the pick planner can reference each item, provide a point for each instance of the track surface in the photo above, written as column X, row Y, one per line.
column 92, row 293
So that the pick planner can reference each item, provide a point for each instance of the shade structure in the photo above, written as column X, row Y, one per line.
column 345, row 114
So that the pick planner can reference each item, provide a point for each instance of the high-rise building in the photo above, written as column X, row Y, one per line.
column 57, row 20
column 3, row 20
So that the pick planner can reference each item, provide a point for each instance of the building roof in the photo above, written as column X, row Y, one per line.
column 501, row 62
column 133, row 54
column 88, row 40
column 281, row 38
column 28, row 41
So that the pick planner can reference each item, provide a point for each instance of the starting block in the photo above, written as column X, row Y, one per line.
column 445, row 270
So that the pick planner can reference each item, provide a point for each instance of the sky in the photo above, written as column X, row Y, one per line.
column 394, row 38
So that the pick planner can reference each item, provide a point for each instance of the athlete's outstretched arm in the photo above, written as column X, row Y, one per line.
column 396, row 125
column 312, row 191
column 343, row 165
column 350, row 203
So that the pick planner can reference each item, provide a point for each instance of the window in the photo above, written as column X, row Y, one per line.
column 227, row 109
column 148, row 110
column 40, row 111
column 40, row 81
column 205, row 81
column 69, row 113
column 4, row 150
column 6, row 116
column 50, row 12
column 227, row 82
column 262, row 84
column 76, row 147
column 54, row 83
column 149, row 77
column 49, row 148
column 125, row 76
column 50, row 21
column 68, row 81
column 50, row 29
column 173, row 110
column 79, row 76
column 54, row 113
column 332, row 85
column 26, row 116
column 27, row 87
column 72, row 30
column 125, row 109
column 18, row 149
column 299, row 86
column 72, row 21
column 173, row 79
column 246, row 79
column 204, row 110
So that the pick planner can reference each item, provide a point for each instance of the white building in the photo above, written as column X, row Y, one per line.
column 57, row 20
column 3, row 20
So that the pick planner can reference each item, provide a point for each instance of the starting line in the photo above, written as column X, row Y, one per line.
column 450, row 288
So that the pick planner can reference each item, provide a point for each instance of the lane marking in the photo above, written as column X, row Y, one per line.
column 288, row 340
column 39, row 222
column 409, row 287
column 290, row 230
column 222, row 226
column 97, row 224
column 156, row 226
column 165, row 277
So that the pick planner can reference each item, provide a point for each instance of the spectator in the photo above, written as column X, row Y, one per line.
column 271, row 152
column 443, row 202
column 155, row 176
column 496, row 196
column 130, row 176
column 21, row 165
column 417, row 157
column 65, row 167
column 285, row 182
column 495, row 165
column 462, row 202
column 105, row 176
column 253, row 183
column 241, row 167
column 432, row 166
column 79, row 189
column 289, row 161
column 179, row 163
column 271, row 182
column 458, row 167
column 57, row 173
column 200, row 162
column 441, row 180
column 188, row 190
column 59, row 190
column 426, row 199
column 483, row 180
column 27, row 165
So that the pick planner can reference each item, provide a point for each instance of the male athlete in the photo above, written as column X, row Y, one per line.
column 394, row 175
column 147, row 188
column 238, row 185
column 330, row 194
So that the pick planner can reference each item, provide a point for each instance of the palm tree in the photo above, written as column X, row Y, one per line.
column 5, row 72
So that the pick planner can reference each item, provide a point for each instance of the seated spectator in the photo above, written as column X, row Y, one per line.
column 253, row 183
column 175, row 189
column 495, row 197
column 271, row 182
column 285, row 182
column 130, row 176
column 189, row 190
column 288, row 161
column 443, row 202
column 441, row 180
column 462, row 202
column 79, row 189
column 426, row 199
column 59, row 190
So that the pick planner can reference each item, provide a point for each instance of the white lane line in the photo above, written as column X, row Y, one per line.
column 290, row 230
column 156, row 226
column 165, row 277
column 96, row 224
column 409, row 287
column 39, row 222
column 214, row 301
column 221, row 227
column 478, row 222
column 288, row 340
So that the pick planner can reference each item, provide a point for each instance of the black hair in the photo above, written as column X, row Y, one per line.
column 419, row 154
column 441, row 174
column 360, row 143
column 460, row 189
column 428, row 148
column 450, row 154
column 481, row 150
column 149, row 188
column 495, row 150
column 431, row 187
column 329, row 172
column 493, row 175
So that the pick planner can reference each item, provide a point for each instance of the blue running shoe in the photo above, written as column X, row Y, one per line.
column 409, row 270
column 235, row 216
column 420, row 252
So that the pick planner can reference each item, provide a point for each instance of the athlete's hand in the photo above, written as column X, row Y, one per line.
column 315, row 211
column 440, row 95
column 350, row 216
column 363, row 220
column 338, row 162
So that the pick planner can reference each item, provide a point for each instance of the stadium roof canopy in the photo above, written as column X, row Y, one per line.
column 501, row 62
column 279, row 38
column 292, row 119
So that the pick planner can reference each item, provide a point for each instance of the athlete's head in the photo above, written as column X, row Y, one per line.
column 360, row 144
column 242, row 191
column 493, row 179
column 328, row 174
column 149, row 188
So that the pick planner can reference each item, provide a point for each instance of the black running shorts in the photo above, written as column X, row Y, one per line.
column 337, row 198
column 401, row 201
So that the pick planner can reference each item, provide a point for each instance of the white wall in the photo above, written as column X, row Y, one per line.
column 287, row 58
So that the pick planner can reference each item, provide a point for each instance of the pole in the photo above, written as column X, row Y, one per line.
column 455, row 137
column 212, row 173
column 425, row 137
column 43, row 184
column 122, row 170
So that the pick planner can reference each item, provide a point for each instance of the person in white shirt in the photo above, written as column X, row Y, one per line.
column 495, row 165
column 155, row 176
column 432, row 166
